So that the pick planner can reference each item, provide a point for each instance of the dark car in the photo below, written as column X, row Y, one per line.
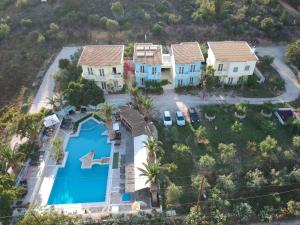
column 194, row 116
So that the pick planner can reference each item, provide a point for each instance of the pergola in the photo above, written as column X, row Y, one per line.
column 133, row 121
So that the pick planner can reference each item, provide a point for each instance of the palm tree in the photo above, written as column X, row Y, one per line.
column 154, row 148
column 10, row 157
column 145, row 105
column 106, row 111
column 52, row 102
column 153, row 173
column 134, row 90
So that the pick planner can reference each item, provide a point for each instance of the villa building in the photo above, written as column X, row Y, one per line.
column 233, row 61
column 104, row 65
column 147, row 58
column 187, row 61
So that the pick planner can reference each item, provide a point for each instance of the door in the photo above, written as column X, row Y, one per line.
column 191, row 80
column 230, row 80
column 142, row 81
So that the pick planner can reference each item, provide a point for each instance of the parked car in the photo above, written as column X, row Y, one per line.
column 180, row 118
column 167, row 118
column 193, row 116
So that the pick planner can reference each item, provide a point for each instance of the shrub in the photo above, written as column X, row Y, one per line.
column 157, row 29
column 117, row 10
column 4, row 30
column 268, row 107
column 94, row 20
column 293, row 208
column 243, row 212
column 293, row 53
column 154, row 86
column 296, row 141
column 266, row 61
column 40, row 39
column 26, row 22
column 102, row 21
column 268, row 126
column 267, row 214
column 112, row 25
column 22, row 3
column 251, row 81
column 237, row 127
column 267, row 24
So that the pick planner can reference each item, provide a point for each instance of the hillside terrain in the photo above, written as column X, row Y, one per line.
column 31, row 31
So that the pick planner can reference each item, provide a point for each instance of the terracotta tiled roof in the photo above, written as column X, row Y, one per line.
column 147, row 53
column 233, row 51
column 187, row 52
column 101, row 55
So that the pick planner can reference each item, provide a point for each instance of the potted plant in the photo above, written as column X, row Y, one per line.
column 267, row 110
column 210, row 112
column 240, row 110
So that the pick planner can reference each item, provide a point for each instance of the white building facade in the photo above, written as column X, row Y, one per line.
column 233, row 61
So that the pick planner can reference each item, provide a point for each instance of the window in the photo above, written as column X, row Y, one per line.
column 181, row 68
column 220, row 67
column 230, row 80
column 114, row 70
column 90, row 70
column 191, row 80
column 101, row 72
column 153, row 70
column 103, row 85
column 142, row 69
column 247, row 68
column 180, row 83
column 142, row 81
column 193, row 68
column 235, row 69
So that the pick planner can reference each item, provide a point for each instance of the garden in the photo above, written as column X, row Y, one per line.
column 239, row 166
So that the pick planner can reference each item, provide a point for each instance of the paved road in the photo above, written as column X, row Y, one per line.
column 172, row 101
column 46, row 89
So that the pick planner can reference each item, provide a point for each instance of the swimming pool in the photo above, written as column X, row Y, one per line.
column 75, row 185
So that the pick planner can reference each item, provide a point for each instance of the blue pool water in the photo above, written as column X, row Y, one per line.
column 75, row 185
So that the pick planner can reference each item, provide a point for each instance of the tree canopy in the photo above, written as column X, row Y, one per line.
column 83, row 93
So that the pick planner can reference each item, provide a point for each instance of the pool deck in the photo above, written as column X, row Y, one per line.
column 41, row 179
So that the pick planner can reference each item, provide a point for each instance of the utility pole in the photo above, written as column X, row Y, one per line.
column 200, row 193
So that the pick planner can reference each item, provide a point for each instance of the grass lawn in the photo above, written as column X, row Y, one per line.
column 255, row 128
column 115, row 164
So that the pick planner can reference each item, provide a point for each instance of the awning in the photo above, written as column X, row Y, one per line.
column 116, row 127
column 51, row 120
column 140, row 157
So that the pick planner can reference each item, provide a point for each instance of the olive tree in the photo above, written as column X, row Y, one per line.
column 173, row 194
column 243, row 212
column 207, row 162
column 255, row 179
column 227, row 152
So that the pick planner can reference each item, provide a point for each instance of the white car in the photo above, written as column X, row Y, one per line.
column 167, row 118
column 180, row 118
